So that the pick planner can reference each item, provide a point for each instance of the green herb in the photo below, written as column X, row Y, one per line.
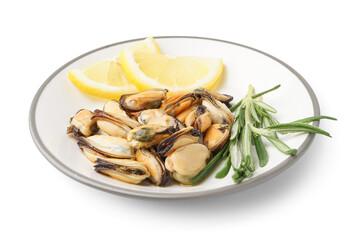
column 252, row 120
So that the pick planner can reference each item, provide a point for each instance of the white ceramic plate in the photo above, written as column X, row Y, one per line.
column 58, row 99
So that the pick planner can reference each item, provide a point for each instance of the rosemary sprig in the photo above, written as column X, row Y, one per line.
column 252, row 121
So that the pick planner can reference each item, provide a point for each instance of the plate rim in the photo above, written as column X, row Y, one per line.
column 135, row 193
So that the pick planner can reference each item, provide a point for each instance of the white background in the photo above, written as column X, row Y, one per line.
column 312, row 199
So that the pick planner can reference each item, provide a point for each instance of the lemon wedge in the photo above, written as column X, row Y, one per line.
column 104, row 79
column 147, row 45
column 148, row 70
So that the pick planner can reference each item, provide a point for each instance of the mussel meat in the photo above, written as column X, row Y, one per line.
column 143, row 100
column 176, row 104
column 82, row 124
column 129, row 171
column 187, row 161
column 216, row 137
column 224, row 98
column 107, row 146
column 113, row 107
column 200, row 119
column 183, row 115
column 179, row 139
column 148, row 135
column 220, row 113
column 158, row 117
column 114, row 126
column 158, row 173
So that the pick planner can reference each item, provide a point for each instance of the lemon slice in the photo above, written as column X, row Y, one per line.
column 104, row 79
column 148, row 70
column 147, row 45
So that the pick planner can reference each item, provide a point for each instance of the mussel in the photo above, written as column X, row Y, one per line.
column 148, row 135
column 158, row 173
column 113, row 107
column 176, row 104
column 179, row 139
column 220, row 113
column 110, row 124
column 82, row 124
column 199, row 119
column 183, row 115
column 158, row 117
column 187, row 161
column 129, row 171
column 105, row 146
column 216, row 137
column 143, row 100
column 224, row 98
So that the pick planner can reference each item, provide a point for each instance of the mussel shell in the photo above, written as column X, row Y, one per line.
column 108, row 146
column 126, row 170
column 179, row 139
column 158, row 173
column 143, row 100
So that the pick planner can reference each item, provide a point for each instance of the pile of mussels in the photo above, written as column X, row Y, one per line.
column 152, row 135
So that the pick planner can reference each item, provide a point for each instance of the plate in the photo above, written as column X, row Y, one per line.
column 58, row 99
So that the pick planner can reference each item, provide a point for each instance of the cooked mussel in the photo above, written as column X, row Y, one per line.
column 183, row 115
column 117, row 126
column 148, row 135
column 224, row 98
column 158, row 117
column 199, row 119
column 129, row 171
column 176, row 104
column 143, row 100
column 187, row 161
column 110, row 124
column 220, row 113
column 179, row 139
column 158, row 173
column 107, row 146
column 216, row 137
column 113, row 107
column 82, row 124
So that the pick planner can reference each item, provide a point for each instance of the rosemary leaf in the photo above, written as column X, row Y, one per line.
column 265, row 106
column 247, row 148
column 315, row 118
column 296, row 127
column 225, row 170
column 236, row 154
column 253, row 112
